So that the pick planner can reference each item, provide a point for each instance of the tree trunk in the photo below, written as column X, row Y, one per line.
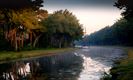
column 60, row 43
column 36, row 40
column 30, row 37
column 22, row 41
column 16, row 43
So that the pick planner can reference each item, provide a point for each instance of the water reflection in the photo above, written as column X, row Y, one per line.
column 98, row 60
column 60, row 67
column 93, row 70
column 83, row 64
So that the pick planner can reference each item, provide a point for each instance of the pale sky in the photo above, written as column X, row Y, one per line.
column 93, row 14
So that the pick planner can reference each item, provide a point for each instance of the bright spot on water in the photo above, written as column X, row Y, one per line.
column 93, row 70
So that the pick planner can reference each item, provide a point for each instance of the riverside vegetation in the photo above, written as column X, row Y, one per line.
column 123, row 70
column 11, row 55
column 26, row 30
column 120, row 34
column 26, row 26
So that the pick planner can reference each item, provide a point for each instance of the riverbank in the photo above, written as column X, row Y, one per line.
column 10, row 55
column 124, row 68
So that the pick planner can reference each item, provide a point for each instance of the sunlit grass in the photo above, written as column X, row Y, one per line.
column 6, row 55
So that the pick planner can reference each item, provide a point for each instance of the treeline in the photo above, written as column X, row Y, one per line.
column 123, row 68
column 24, row 25
column 120, row 33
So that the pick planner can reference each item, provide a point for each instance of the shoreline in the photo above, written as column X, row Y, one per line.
column 9, row 56
column 123, row 68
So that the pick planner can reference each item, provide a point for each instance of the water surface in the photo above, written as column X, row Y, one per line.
column 83, row 64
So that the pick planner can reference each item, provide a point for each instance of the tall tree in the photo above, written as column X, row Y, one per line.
column 126, row 6
column 19, row 16
column 62, row 27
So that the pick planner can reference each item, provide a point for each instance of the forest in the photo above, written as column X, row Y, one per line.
column 24, row 25
column 120, row 33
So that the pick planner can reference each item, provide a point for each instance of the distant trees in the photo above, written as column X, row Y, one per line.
column 62, row 28
column 120, row 33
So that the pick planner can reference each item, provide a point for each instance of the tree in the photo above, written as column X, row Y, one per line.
column 19, row 16
column 62, row 27
column 126, row 6
column 120, row 33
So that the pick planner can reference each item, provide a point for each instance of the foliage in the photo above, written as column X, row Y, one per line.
column 118, row 34
column 123, row 70
column 21, row 12
column 19, row 16
column 27, row 18
column 62, row 28
column 126, row 6
column 59, row 29
column 21, row 4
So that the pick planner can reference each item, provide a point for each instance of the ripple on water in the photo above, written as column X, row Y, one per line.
column 93, row 70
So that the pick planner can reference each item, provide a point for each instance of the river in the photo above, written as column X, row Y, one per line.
column 82, row 64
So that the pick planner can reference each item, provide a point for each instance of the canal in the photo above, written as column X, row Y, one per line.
column 82, row 64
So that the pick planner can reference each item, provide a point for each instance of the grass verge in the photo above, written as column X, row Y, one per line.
column 10, row 55
column 124, row 69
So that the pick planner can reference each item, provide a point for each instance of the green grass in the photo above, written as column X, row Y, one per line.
column 10, row 55
column 124, row 70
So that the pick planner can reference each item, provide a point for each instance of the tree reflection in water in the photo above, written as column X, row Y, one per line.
column 65, row 66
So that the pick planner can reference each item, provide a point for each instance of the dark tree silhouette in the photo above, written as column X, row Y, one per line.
column 17, row 4
column 127, row 6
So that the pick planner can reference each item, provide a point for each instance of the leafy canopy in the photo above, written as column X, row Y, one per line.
column 126, row 6
column 17, row 4
column 63, row 22
column 20, row 12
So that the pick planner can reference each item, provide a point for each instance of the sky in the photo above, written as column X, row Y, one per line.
column 93, row 14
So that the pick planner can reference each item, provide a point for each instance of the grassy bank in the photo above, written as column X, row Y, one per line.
column 124, row 68
column 10, row 55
